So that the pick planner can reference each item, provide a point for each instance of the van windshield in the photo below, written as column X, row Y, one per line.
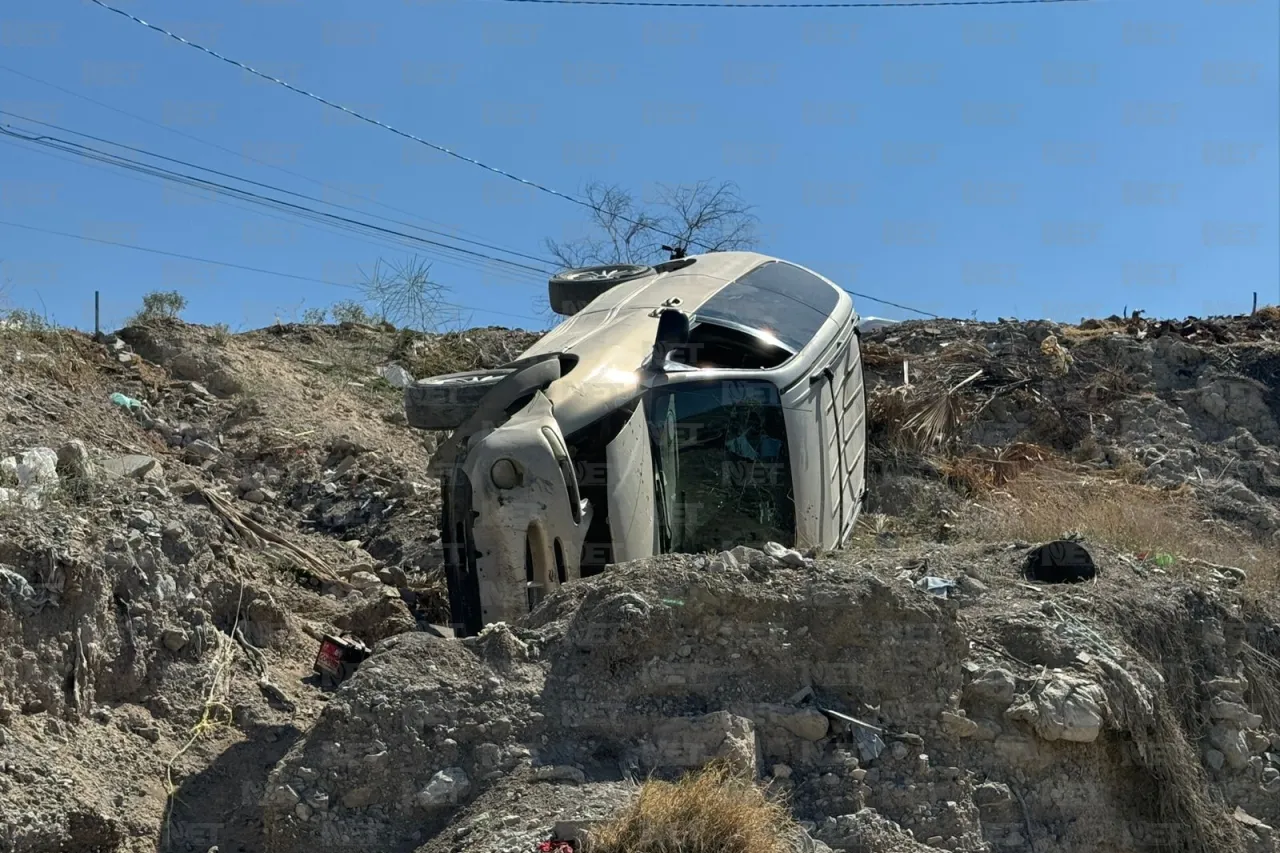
column 722, row 465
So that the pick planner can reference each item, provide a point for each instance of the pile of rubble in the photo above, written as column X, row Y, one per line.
column 1171, row 403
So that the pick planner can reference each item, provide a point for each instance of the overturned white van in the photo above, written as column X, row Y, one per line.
column 698, row 404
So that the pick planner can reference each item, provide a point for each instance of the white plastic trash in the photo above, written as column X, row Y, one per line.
column 37, row 467
column 396, row 375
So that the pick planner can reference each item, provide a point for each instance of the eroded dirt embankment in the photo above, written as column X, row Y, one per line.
column 166, row 569
column 1095, row 717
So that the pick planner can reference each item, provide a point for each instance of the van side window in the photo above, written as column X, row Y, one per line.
column 779, row 300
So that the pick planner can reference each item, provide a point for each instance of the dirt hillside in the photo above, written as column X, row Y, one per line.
column 184, row 512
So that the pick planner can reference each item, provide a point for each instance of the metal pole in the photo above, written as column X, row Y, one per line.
column 1255, row 302
column 97, row 314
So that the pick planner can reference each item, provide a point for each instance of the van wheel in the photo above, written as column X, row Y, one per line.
column 569, row 291
column 445, row 402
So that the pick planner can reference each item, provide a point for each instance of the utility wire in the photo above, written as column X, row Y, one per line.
column 698, row 5
column 521, row 316
column 383, row 125
column 432, row 145
column 125, row 162
column 181, row 256
column 277, row 189
column 894, row 304
column 196, row 189
column 195, row 192
column 274, row 166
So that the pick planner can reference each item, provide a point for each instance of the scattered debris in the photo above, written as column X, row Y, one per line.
column 339, row 657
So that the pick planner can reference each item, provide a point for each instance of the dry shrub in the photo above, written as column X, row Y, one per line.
column 916, row 418
column 475, row 349
column 1270, row 313
column 64, row 357
column 1106, row 328
column 986, row 468
column 713, row 810
column 1110, row 383
column 1042, row 505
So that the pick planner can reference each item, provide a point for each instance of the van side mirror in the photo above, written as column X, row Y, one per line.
column 672, row 334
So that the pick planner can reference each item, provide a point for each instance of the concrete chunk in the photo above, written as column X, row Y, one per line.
column 134, row 467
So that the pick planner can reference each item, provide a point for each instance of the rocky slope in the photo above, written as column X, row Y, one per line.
column 169, row 558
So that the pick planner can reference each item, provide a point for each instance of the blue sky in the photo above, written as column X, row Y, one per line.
column 1051, row 160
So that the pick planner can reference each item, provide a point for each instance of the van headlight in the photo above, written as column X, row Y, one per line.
column 505, row 474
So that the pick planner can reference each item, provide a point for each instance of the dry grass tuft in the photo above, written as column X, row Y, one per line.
column 986, row 468
column 1101, row 331
column 920, row 418
column 1270, row 313
column 711, row 811
column 1042, row 505
column 454, row 352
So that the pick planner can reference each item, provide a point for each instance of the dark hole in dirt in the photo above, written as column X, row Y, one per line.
column 1063, row 561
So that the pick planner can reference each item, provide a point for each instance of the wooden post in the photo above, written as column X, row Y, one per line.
column 97, row 314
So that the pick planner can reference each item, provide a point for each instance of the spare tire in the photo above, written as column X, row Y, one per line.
column 446, row 401
column 569, row 291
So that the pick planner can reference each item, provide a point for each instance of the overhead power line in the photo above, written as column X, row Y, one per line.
column 229, row 264
column 894, row 304
column 274, row 188
column 732, row 5
column 541, row 188
column 452, row 233
column 355, row 114
column 311, row 214
column 288, row 217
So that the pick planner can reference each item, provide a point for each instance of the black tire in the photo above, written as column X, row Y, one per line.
column 569, row 291
column 445, row 402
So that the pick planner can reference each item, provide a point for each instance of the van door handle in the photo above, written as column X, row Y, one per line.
column 819, row 375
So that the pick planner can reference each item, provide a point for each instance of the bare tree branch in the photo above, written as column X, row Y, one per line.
column 702, row 217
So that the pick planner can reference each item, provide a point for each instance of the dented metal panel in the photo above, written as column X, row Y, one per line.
column 631, row 505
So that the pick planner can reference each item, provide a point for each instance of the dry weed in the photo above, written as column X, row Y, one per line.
column 1041, row 506
column 919, row 418
column 453, row 352
column 711, row 811
column 1078, row 334
column 987, row 468
column 1270, row 313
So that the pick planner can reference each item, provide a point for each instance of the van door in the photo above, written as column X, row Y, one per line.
column 834, row 420
column 849, row 390
column 815, row 461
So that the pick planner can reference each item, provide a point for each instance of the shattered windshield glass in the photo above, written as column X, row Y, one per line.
column 722, row 465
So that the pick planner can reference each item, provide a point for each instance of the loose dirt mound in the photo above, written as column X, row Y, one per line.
column 170, row 556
